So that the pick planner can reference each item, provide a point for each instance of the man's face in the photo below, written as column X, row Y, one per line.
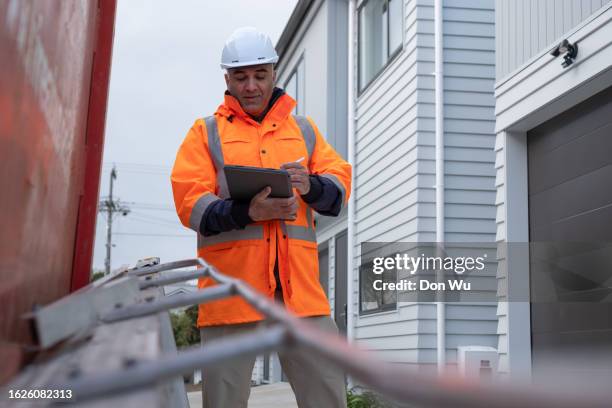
column 252, row 86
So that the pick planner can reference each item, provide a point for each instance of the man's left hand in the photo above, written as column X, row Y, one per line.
column 300, row 179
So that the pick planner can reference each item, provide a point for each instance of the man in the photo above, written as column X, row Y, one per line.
column 269, row 243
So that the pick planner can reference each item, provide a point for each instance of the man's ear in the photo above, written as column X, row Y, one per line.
column 274, row 76
column 226, row 76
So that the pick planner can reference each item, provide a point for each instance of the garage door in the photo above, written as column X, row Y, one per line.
column 570, row 216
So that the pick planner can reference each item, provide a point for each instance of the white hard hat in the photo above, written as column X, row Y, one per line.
column 247, row 46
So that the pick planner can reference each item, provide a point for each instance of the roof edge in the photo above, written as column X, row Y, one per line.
column 295, row 20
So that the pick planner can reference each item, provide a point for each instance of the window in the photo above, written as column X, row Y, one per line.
column 295, row 87
column 371, row 300
column 380, row 36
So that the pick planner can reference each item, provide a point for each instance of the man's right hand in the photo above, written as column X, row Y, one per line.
column 264, row 208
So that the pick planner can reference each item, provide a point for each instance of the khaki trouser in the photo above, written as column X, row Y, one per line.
column 315, row 382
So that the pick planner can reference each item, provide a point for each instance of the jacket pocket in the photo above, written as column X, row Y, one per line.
column 240, row 151
column 241, row 259
column 291, row 147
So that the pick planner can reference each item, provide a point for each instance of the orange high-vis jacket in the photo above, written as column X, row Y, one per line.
column 232, row 137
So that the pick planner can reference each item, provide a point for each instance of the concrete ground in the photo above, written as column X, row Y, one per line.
column 277, row 395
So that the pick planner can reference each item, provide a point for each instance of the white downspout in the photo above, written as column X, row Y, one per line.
column 439, row 98
column 351, row 158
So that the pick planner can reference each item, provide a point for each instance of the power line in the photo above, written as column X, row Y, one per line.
column 154, row 222
column 108, row 163
column 145, row 206
column 153, row 205
column 142, row 234
column 137, row 166
column 173, row 221
column 149, row 206
column 152, row 172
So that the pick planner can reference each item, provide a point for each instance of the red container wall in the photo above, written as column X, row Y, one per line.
column 51, row 134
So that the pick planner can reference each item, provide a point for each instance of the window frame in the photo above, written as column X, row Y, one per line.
column 390, row 58
column 300, row 109
column 383, row 308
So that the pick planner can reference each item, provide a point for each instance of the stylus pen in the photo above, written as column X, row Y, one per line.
column 296, row 161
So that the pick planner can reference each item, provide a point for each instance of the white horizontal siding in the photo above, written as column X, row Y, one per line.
column 382, row 182
column 395, row 169
column 469, row 77
column 405, row 193
column 395, row 133
column 411, row 336
column 387, row 184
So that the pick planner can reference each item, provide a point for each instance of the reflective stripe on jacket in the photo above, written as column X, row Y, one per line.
column 231, row 137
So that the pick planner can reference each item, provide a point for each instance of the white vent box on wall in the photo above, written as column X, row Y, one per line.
column 477, row 362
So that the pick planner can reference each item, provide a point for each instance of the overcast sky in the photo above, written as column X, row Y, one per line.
column 165, row 74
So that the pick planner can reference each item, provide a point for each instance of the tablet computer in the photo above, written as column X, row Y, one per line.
column 244, row 182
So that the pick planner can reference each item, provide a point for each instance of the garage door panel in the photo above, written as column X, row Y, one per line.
column 568, row 317
column 572, row 124
column 585, row 316
column 560, row 277
column 592, row 226
column 543, row 233
column 574, row 351
column 577, row 249
column 568, row 199
column 545, row 316
column 581, row 341
column 581, row 156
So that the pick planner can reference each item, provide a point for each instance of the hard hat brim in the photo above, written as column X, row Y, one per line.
column 265, row 61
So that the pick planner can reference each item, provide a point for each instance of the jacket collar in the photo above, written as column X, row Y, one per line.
column 281, row 106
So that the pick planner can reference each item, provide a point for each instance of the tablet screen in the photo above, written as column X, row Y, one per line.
column 244, row 182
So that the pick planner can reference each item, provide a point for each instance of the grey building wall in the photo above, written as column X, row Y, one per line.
column 308, row 43
column 326, row 234
column 395, row 168
column 526, row 27
column 337, row 68
column 325, row 59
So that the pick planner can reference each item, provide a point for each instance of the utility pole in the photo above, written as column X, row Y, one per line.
column 111, row 206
